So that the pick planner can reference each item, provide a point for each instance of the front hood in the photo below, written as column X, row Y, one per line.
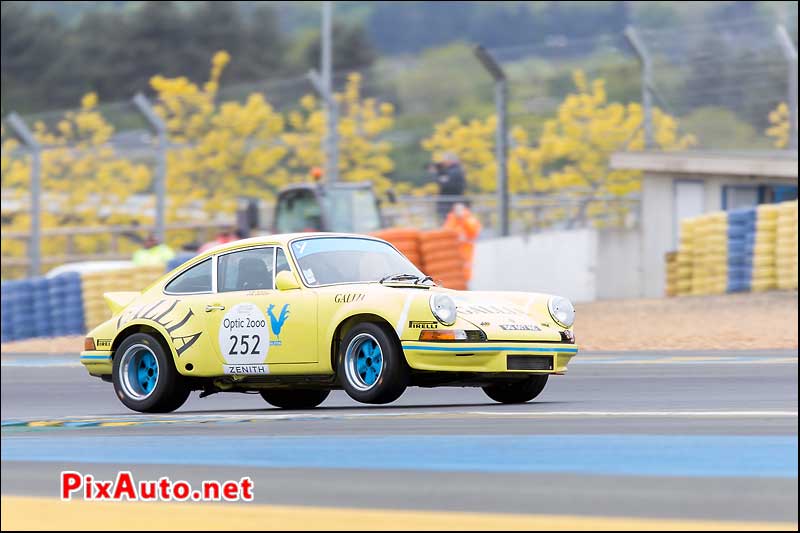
column 504, row 320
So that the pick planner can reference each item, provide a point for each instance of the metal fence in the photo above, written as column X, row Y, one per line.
column 720, row 82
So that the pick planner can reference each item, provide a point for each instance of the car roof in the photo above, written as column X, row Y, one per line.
column 279, row 238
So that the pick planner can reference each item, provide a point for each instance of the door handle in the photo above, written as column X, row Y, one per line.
column 216, row 307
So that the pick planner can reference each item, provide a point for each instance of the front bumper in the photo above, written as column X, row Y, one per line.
column 487, row 356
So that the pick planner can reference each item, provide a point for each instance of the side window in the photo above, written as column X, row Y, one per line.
column 281, row 263
column 246, row 270
column 196, row 279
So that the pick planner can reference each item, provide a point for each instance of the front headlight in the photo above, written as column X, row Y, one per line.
column 443, row 308
column 562, row 311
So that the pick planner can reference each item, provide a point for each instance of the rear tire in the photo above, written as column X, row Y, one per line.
column 520, row 391
column 145, row 378
column 295, row 398
column 371, row 366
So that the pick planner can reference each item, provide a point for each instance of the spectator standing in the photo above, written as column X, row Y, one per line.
column 452, row 182
column 153, row 252
column 225, row 236
column 467, row 226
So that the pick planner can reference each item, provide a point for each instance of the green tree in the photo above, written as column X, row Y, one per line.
column 28, row 44
column 352, row 49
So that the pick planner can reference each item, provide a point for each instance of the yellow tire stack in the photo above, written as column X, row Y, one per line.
column 786, row 246
column 671, row 260
column 710, row 255
column 764, row 265
column 699, row 277
column 685, row 257
column 95, row 284
column 144, row 276
column 95, row 309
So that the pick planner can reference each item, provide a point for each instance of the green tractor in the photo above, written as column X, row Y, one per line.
column 344, row 207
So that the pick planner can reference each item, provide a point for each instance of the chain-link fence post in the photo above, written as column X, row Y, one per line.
column 332, row 136
column 790, row 53
column 331, row 109
column 27, row 138
column 157, row 124
column 647, row 83
column 501, row 144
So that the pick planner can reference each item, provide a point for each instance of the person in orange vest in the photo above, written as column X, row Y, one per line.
column 462, row 221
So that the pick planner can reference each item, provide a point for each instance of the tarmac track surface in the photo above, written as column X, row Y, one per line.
column 697, row 436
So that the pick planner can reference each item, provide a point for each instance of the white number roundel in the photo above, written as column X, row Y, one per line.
column 244, row 335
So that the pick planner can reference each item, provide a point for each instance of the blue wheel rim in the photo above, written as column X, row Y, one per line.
column 363, row 362
column 369, row 361
column 139, row 372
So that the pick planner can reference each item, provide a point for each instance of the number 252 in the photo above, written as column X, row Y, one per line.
column 244, row 345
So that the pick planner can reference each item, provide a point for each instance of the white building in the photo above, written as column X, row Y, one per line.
column 591, row 264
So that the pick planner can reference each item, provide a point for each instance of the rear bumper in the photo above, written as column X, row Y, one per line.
column 97, row 362
column 488, row 356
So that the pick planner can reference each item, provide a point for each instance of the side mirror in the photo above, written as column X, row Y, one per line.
column 286, row 281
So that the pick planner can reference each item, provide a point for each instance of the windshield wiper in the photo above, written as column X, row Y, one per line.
column 423, row 280
column 399, row 277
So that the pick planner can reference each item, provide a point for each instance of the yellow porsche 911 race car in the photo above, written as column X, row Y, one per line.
column 295, row 316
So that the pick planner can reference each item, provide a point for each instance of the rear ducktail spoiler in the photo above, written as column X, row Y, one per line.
column 118, row 301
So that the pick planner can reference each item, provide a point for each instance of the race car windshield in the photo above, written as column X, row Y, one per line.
column 330, row 260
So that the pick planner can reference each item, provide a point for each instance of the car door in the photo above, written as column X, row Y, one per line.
column 255, row 324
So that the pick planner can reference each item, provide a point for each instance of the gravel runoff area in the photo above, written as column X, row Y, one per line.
column 725, row 322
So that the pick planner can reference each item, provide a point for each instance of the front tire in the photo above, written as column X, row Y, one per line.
column 520, row 391
column 295, row 398
column 372, row 367
column 144, row 377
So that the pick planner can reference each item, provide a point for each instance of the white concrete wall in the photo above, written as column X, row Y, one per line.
column 618, row 273
column 556, row 262
column 657, row 225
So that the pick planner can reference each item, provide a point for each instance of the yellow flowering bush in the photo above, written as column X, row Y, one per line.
column 572, row 154
column 82, row 177
column 363, row 156
column 779, row 125
column 219, row 150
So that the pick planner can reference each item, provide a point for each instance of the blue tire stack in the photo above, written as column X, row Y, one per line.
column 40, row 307
column 8, row 297
column 66, row 304
column 21, row 308
column 741, row 242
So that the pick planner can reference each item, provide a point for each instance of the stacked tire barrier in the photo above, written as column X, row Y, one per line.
column 710, row 254
column 42, row 307
column 18, row 308
column 66, row 305
column 683, row 283
column 671, row 259
column 441, row 258
column 752, row 249
column 437, row 253
column 95, row 284
column 741, row 241
column 764, row 273
column 407, row 240
column 786, row 246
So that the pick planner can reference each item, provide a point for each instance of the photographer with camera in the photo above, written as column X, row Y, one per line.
column 449, row 175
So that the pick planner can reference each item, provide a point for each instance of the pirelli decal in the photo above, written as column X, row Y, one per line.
column 423, row 324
